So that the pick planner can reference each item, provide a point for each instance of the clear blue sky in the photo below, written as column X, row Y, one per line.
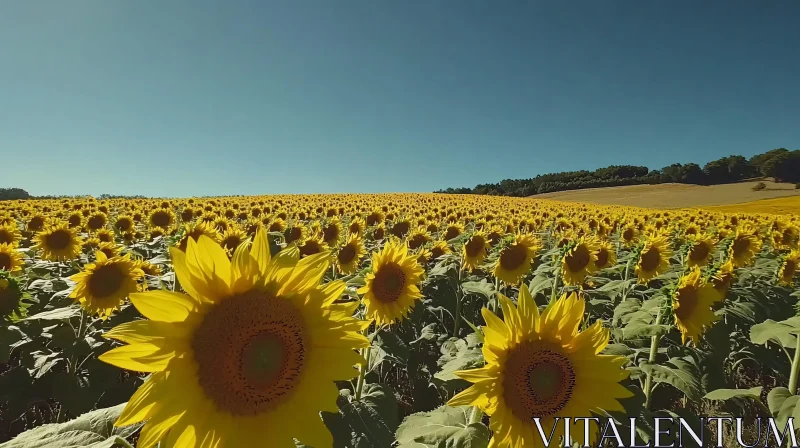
column 180, row 98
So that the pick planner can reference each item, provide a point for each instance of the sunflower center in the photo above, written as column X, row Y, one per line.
column 250, row 351
column 687, row 302
column 96, row 222
column 650, row 259
column 389, row 282
column 513, row 256
column 579, row 258
column 5, row 261
column 539, row 380
column 788, row 268
column 740, row 246
column 627, row 235
column 160, row 218
column 106, row 280
column 699, row 252
column 602, row 257
column 346, row 254
column 59, row 240
column 474, row 246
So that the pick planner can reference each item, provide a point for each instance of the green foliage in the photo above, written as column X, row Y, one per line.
column 445, row 427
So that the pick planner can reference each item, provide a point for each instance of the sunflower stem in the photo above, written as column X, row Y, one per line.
column 795, row 369
column 459, row 298
column 648, row 384
column 362, row 373
column 476, row 416
column 554, row 292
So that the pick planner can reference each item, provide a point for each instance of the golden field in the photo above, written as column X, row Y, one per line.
column 671, row 196
column 408, row 320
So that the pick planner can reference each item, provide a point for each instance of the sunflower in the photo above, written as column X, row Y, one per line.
column 418, row 238
column 744, row 247
column 701, row 247
column 332, row 232
column 124, row 223
column 515, row 259
column 579, row 261
column 474, row 251
column 161, row 217
column 103, row 285
column 58, row 242
column 277, row 225
column 231, row 239
column 542, row 366
column 453, row 231
column 723, row 278
column 312, row 246
column 254, row 348
column 423, row 256
column 391, row 290
column 110, row 250
column 350, row 255
column 786, row 272
column 10, row 259
column 156, row 232
column 9, row 234
column 439, row 249
column 356, row 226
column 10, row 295
column 628, row 235
column 36, row 223
column 653, row 258
column 194, row 231
column 379, row 232
column 297, row 232
column 692, row 302
column 105, row 235
column 96, row 221
column 606, row 255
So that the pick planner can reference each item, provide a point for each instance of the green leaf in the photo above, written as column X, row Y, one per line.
column 776, row 397
column 636, row 330
column 57, row 314
column 9, row 336
column 483, row 288
column 727, row 394
column 678, row 373
column 445, row 427
column 375, row 417
column 91, row 430
column 769, row 330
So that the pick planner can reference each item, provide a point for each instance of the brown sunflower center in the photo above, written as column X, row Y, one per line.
column 161, row 218
column 389, row 282
column 96, row 222
column 124, row 224
column 417, row 240
column 106, row 280
column 788, row 268
column 437, row 252
column 475, row 246
column 401, row 228
column 346, row 254
column 627, row 235
column 36, row 223
column 687, row 302
column 602, row 257
column 250, row 351
column 310, row 247
column 650, row 259
column 740, row 246
column 330, row 233
column 231, row 242
column 513, row 257
column 294, row 234
column 452, row 232
column 58, row 240
column 578, row 258
column 699, row 252
column 539, row 380
column 5, row 261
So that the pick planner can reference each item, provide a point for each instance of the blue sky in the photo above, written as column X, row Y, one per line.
column 180, row 98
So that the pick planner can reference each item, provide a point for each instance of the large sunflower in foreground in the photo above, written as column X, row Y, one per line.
column 692, row 302
column 391, row 290
column 248, row 356
column 103, row 285
column 541, row 366
column 515, row 259
column 58, row 242
column 10, row 259
column 579, row 261
column 653, row 259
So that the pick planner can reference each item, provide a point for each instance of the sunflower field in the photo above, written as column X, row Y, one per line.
column 386, row 320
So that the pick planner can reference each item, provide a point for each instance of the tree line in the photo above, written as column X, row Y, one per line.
column 782, row 164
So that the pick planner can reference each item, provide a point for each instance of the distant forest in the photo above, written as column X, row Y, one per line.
column 782, row 164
